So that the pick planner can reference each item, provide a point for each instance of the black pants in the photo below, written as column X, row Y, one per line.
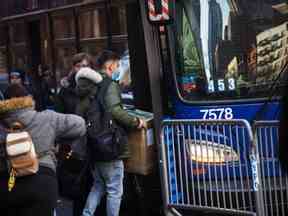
column 31, row 195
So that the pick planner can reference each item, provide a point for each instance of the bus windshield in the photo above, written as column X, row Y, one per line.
column 230, row 49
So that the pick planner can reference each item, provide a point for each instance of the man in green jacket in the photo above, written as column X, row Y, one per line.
column 108, row 176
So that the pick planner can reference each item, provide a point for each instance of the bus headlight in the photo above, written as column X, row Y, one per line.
column 209, row 152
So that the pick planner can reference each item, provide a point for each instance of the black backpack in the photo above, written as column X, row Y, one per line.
column 105, row 138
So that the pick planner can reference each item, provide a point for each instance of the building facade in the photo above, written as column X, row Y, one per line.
column 35, row 32
column 15, row 7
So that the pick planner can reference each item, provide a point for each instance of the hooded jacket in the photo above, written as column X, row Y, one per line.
column 112, row 102
column 44, row 127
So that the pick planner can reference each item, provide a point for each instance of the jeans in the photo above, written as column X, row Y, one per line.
column 108, row 179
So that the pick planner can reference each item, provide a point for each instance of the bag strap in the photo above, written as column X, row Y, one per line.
column 98, row 99
column 100, row 94
column 104, row 85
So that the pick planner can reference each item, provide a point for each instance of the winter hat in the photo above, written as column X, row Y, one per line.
column 15, row 74
column 15, row 90
column 90, row 74
column 18, row 74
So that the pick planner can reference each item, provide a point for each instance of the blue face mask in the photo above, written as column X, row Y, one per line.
column 116, row 74
column 121, row 70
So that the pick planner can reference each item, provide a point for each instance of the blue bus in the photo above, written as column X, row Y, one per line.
column 227, row 71
column 211, row 71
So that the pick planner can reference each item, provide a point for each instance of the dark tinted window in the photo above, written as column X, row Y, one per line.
column 230, row 49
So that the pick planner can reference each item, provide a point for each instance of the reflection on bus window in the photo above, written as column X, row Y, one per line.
column 230, row 49
column 123, row 77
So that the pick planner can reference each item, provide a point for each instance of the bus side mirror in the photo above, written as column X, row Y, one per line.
column 160, row 12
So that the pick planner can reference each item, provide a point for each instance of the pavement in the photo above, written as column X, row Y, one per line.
column 142, row 197
column 65, row 206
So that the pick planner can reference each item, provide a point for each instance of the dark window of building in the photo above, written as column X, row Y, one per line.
column 3, row 36
column 64, row 42
column 115, row 21
column 64, row 27
column 222, row 54
column 56, row 3
column 19, row 58
column 18, row 46
column 18, row 6
column 64, row 54
column 94, row 31
column 18, row 32
column 93, row 24
column 119, row 29
column 32, row 4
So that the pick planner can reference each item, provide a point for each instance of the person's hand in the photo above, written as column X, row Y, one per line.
column 141, row 124
column 64, row 82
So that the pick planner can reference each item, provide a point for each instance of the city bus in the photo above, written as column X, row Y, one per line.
column 228, row 70
column 211, row 71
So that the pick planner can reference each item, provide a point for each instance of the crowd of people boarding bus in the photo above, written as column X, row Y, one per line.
column 88, row 115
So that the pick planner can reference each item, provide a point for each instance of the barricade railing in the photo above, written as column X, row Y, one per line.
column 211, row 165
column 273, row 180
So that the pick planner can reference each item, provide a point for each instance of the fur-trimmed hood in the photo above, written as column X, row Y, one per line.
column 89, row 74
column 44, row 127
column 14, row 104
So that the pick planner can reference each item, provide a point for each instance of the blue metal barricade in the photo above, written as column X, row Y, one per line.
column 273, row 180
column 211, row 165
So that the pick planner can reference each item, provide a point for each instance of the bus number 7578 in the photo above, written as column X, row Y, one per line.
column 219, row 113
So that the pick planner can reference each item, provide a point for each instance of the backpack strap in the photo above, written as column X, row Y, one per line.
column 104, row 85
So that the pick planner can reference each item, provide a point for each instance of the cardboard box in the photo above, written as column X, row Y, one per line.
column 142, row 146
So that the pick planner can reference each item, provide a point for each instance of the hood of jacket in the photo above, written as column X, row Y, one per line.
column 17, row 109
column 16, row 104
column 86, row 88
column 87, row 80
column 89, row 74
